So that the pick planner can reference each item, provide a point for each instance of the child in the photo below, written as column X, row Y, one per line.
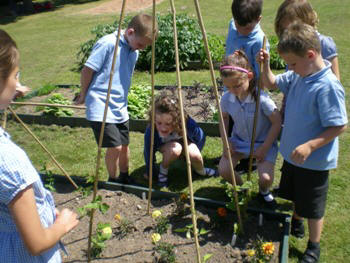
column 168, row 139
column 30, row 227
column 301, row 10
column 245, row 32
column 239, row 104
column 315, row 115
column 94, row 86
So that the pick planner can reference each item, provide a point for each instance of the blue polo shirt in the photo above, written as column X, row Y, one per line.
column 328, row 47
column 314, row 103
column 242, row 114
column 250, row 44
column 100, row 61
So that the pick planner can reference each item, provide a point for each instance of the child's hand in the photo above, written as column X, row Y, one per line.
column 79, row 99
column 301, row 153
column 263, row 57
column 67, row 219
column 21, row 91
column 260, row 153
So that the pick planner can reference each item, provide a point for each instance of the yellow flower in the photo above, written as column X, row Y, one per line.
column 155, row 237
column 117, row 217
column 268, row 248
column 250, row 253
column 107, row 232
column 156, row 213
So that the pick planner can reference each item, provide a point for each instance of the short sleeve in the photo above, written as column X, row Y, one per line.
column 268, row 106
column 98, row 55
column 229, row 39
column 17, row 173
column 284, row 81
column 328, row 48
column 331, row 104
column 224, row 101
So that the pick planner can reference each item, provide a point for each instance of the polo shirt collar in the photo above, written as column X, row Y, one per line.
column 319, row 74
column 248, row 99
column 122, row 38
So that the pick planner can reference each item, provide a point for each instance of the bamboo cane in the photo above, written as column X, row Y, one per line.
column 4, row 120
column 257, row 105
column 49, row 105
column 103, row 127
column 184, row 135
column 42, row 146
column 221, row 121
column 150, row 173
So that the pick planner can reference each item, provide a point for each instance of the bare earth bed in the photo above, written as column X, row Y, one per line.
column 137, row 247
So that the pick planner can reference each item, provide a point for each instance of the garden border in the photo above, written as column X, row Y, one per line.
column 284, row 219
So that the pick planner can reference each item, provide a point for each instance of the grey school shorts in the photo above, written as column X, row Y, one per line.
column 115, row 134
column 306, row 188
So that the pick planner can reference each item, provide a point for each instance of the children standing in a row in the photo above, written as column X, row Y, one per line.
column 30, row 226
column 169, row 141
column 314, row 117
column 94, row 86
column 239, row 103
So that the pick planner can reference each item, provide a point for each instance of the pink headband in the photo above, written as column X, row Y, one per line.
column 235, row 68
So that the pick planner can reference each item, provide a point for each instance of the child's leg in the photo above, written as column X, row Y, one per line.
column 124, row 159
column 111, row 159
column 197, row 161
column 266, row 175
column 315, row 229
column 224, row 168
column 171, row 151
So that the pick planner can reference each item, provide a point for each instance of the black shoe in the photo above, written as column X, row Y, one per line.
column 312, row 253
column 297, row 228
column 269, row 204
column 243, row 166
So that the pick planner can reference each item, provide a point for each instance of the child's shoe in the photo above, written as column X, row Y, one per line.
column 312, row 253
column 162, row 180
column 297, row 228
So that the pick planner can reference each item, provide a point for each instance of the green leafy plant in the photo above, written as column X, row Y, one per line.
column 125, row 227
column 97, row 204
column 49, row 179
column 139, row 100
column 162, row 222
column 58, row 98
column 85, row 191
column 276, row 62
column 206, row 257
column 103, row 233
column 166, row 252
column 189, row 38
column 188, row 229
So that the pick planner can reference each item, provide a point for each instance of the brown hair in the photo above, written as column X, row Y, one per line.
column 298, row 38
column 246, row 11
column 142, row 25
column 9, row 56
column 292, row 10
column 165, row 103
column 238, row 59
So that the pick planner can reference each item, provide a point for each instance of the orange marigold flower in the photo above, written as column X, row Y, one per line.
column 268, row 248
column 222, row 211
column 117, row 217
column 183, row 197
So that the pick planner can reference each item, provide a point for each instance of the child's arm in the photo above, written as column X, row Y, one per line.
column 225, row 116
column 37, row 238
column 302, row 152
column 268, row 78
column 85, row 80
column 335, row 67
column 276, row 122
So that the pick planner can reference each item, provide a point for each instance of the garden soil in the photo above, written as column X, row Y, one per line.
column 137, row 247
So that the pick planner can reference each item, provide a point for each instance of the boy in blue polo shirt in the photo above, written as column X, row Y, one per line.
column 314, row 117
column 94, row 87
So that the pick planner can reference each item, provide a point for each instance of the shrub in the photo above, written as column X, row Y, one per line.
column 190, row 44
column 139, row 101
column 276, row 62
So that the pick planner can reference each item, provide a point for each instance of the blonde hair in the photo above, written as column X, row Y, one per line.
column 238, row 59
column 298, row 38
column 9, row 56
column 165, row 103
column 292, row 10
column 142, row 25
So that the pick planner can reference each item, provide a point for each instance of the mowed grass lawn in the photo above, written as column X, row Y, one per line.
column 48, row 44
